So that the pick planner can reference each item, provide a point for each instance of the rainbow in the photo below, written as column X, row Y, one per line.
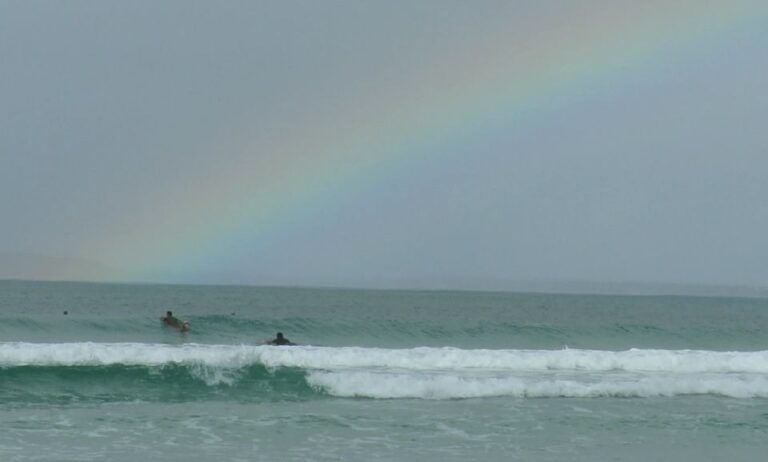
column 514, row 70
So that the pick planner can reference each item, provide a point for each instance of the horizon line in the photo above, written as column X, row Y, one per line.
column 554, row 287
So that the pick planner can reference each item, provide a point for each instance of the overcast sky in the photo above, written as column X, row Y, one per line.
column 112, row 113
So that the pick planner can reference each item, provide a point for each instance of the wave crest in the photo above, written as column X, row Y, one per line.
column 424, row 373
column 423, row 358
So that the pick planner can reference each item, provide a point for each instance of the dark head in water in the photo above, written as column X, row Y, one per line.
column 280, row 340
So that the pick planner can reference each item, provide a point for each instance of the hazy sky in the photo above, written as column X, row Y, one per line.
column 390, row 143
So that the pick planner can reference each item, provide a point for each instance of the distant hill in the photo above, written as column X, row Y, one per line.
column 51, row 268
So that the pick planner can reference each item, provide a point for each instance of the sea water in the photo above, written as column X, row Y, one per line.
column 378, row 375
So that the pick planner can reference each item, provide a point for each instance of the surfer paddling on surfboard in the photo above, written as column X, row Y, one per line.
column 279, row 340
column 169, row 320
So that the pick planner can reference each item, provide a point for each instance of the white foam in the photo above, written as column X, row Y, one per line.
column 436, row 373
column 386, row 385
column 417, row 359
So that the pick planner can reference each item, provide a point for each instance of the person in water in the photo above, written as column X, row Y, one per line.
column 171, row 321
column 280, row 340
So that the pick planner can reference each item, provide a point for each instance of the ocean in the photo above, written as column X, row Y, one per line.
column 378, row 375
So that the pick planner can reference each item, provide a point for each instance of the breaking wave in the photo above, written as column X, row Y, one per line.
column 124, row 371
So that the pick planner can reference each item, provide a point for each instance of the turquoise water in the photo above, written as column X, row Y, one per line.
column 378, row 375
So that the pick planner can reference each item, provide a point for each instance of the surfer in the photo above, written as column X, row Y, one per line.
column 169, row 320
column 280, row 340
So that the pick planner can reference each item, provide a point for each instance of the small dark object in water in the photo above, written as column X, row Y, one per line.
column 279, row 340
